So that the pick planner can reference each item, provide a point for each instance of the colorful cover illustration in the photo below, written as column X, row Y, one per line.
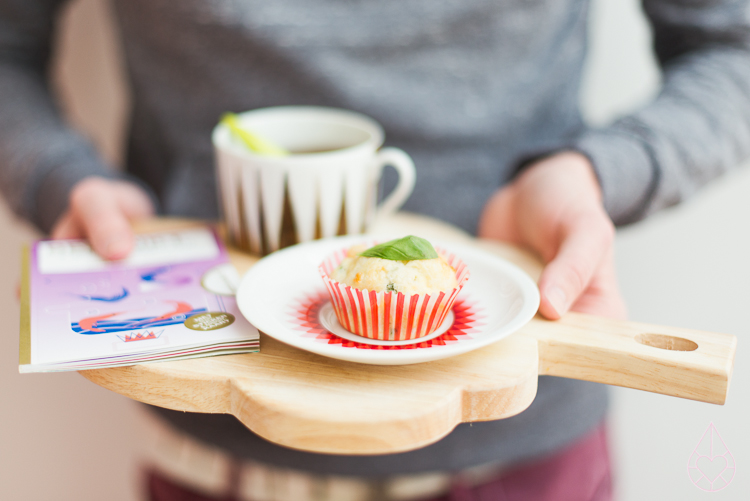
column 172, row 298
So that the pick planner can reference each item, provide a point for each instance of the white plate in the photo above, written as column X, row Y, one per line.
column 284, row 296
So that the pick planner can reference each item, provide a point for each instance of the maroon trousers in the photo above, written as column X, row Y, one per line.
column 580, row 472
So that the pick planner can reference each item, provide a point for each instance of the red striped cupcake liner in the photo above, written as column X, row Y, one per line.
column 390, row 316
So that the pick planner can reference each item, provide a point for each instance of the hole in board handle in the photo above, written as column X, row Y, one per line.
column 664, row 342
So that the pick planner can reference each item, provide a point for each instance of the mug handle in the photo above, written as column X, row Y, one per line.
column 407, row 175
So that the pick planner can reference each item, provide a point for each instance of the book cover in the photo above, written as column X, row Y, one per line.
column 172, row 298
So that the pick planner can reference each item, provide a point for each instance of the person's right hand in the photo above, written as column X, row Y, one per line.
column 554, row 208
column 100, row 210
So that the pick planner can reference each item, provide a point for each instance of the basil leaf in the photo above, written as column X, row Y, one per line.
column 409, row 248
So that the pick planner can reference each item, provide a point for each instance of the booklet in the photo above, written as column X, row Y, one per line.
column 171, row 299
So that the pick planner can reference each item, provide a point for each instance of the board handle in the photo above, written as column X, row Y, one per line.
column 683, row 363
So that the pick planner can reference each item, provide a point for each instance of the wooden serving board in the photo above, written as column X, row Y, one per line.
column 309, row 402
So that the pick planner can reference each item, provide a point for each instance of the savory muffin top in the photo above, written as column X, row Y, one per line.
column 409, row 265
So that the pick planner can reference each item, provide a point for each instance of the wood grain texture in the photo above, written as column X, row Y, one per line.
column 305, row 401
column 608, row 351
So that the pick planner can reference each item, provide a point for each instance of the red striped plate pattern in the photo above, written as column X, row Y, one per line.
column 304, row 316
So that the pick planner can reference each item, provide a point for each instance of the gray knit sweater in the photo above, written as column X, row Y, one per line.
column 470, row 88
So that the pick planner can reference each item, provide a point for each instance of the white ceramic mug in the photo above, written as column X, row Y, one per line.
column 326, row 187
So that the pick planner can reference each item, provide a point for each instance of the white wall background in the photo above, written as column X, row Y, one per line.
column 62, row 437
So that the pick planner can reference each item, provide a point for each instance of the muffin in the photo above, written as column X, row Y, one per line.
column 397, row 290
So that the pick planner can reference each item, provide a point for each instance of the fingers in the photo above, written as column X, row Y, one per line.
column 498, row 218
column 96, row 207
column 586, row 241
column 602, row 297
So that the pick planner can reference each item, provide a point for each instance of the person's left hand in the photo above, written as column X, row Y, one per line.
column 554, row 208
column 101, row 210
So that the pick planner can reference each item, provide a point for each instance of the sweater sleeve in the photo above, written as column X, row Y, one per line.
column 698, row 126
column 41, row 158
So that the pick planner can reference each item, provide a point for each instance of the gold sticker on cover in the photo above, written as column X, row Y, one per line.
column 209, row 321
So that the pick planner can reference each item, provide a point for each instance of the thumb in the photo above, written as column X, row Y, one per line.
column 103, row 221
column 584, row 244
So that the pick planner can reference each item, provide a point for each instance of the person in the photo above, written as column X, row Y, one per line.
column 484, row 97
